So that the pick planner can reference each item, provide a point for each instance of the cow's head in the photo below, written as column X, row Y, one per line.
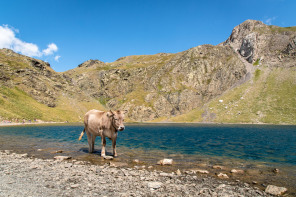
column 117, row 118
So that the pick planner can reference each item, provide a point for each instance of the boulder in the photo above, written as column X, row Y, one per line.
column 275, row 190
column 222, row 176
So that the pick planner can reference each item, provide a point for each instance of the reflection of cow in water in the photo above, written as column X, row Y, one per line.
column 104, row 124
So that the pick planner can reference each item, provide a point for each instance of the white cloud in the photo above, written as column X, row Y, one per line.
column 269, row 20
column 51, row 48
column 56, row 58
column 9, row 40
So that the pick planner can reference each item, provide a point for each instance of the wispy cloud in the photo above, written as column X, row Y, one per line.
column 9, row 40
column 51, row 48
column 56, row 58
column 268, row 21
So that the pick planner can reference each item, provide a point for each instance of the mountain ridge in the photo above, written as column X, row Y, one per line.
column 178, row 87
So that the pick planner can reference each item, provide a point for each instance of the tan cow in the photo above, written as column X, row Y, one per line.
column 104, row 124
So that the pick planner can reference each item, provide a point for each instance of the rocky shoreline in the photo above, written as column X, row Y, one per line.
column 22, row 175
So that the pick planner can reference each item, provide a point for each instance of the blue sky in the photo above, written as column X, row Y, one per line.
column 66, row 33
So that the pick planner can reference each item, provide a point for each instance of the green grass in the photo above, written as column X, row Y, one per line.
column 257, row 74
column 270, row 98
column 256, row 63
column 16, row 104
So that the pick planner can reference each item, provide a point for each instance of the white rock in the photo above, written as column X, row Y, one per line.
column 275, row 190
column 74, row 186
column 165, row 162
column 237, row 171
column 154, row 185
column 108, row 157
column 178, row 172
column 223, row 176
column 220, row 101
column 202, row 171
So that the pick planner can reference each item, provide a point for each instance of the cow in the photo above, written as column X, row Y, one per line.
column 104, row 124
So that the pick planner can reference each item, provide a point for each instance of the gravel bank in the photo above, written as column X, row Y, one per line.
column 23, row 176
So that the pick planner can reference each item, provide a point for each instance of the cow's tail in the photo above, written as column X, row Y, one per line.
column 81, row 134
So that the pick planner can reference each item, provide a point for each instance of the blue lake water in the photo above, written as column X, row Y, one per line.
column 248, row 147
column 266, row 143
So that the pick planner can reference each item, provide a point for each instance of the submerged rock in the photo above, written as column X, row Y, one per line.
column 108, row 157
column 218, row 167
column 62, row 157
column 165, row 162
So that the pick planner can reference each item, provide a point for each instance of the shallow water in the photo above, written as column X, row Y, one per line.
column 257, row 149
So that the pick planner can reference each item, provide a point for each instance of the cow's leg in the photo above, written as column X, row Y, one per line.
column 103, row 152
column 93, row 142
column 89, row 140
column 114, row 148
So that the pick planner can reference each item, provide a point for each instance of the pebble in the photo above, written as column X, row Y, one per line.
column 64, row 178
column 75, row 186
column 276, row 170
column 154, row 185
column 178, row 172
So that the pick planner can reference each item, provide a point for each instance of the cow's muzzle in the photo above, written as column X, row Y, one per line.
column 121, row 128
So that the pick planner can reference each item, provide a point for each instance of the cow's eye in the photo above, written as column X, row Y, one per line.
column 115, row 119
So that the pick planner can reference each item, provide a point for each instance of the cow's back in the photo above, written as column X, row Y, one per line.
column 93, row 119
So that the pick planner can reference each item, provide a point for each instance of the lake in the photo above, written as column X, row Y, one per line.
column 253, row 148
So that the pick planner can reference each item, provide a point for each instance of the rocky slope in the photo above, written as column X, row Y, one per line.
column 162, row 87
column 185, row 86
column 30, row 89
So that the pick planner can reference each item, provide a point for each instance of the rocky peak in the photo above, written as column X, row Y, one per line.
column 255, row 41
column 90, row 63
column 242, row 30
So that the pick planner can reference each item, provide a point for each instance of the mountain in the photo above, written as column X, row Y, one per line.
column 30, row 89
column 249, row 78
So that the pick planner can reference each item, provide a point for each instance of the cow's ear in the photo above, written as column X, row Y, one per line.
column 110, row 114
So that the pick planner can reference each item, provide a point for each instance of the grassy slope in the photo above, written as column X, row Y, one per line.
column 16, row 104
column 269, row 98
